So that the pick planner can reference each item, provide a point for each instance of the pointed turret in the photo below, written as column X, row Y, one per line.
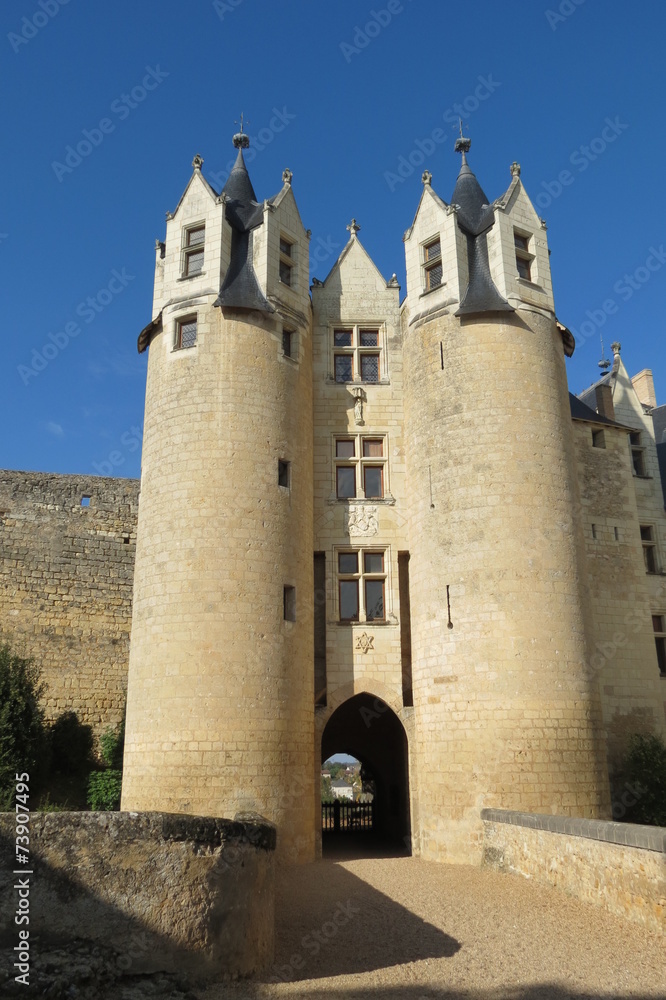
column 475, row 218
column 240, row 288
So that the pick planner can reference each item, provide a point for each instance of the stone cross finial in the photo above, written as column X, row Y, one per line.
column 426, row 177
column 515, row 169
column 286, row 176
column 353, row 227
column 197, row 162
column 616, row 347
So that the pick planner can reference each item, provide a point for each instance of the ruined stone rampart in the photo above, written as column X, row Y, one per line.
column 67, row 545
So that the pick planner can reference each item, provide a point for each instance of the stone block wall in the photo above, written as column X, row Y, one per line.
column 618, row 866
column 166, row 893
column 66, row 573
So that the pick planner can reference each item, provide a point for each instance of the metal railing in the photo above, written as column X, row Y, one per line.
column 347, row 817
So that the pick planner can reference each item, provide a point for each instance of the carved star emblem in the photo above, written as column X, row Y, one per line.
column 365, row 642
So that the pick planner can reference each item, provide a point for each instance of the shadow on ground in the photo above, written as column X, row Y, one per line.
column 353, row 846
column 331, row 923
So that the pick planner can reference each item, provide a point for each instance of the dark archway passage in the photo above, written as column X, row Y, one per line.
column 367, row 728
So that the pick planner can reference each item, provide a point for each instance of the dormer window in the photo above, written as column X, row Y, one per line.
column 186, row 332
column 432, row 264
column 193, row 250
column 356, row 354
column 523, row 256
column 637, row 454
column 286, row 261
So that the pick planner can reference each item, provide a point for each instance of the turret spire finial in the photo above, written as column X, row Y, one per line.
column 604, row 363
column 241, row 140
column 353, row 227
column 463, row 144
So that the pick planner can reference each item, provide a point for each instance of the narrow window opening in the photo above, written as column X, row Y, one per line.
column 286, row 261
column 598, row 439
column 637, row 454
column 523, row 256
column 617, row 534
column 405, row 628
column 594, row 531
column 283, row 473
column 85, row 500
column 290, row 604
column 186, row 332
column 649, row 548
column 659, row 626
column 193, row 251
column 432, row 265
column 320, row 628
column 288, row 343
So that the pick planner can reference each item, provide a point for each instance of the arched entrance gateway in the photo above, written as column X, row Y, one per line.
column 366, row 728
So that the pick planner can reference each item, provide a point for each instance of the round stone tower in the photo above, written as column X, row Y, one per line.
column 506, row 710
column 220, row 693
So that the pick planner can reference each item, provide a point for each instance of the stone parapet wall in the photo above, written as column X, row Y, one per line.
column 66, row 574
column 620, row 867
column 166, row 892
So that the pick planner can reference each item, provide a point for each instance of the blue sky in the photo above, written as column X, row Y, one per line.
column 344, row 94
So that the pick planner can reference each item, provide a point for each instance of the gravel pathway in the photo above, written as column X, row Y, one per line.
column 405, row 929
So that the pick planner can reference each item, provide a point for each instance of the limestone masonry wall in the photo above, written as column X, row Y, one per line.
column 66, row 572
column 617, row 866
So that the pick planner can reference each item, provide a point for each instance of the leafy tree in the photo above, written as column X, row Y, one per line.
column 645, row 766
column 326, row 790
column 23, row 743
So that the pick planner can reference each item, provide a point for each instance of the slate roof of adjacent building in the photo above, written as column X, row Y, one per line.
column 581, row 411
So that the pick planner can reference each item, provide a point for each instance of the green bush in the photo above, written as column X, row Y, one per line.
column 23, row 740
column 645, row 766
column 104, row 789
column 104, row 786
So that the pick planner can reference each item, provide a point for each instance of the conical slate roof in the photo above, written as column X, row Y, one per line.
column 239, row 186
column 240, row 288
column 474, row 213
column 475, row 217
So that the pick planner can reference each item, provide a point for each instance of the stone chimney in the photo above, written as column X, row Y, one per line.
column 643, row 383
column 604, row 397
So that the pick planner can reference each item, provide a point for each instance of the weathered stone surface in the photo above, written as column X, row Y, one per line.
column 166, row 893
column 617, row 866
column 66, row 573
